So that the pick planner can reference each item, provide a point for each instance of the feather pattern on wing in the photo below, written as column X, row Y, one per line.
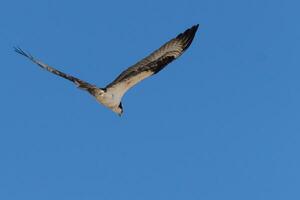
column 153, row 63
column 80, row 83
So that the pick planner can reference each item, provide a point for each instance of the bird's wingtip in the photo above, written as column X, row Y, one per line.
column 22, row 52
column 195, row 27
column 19, row 50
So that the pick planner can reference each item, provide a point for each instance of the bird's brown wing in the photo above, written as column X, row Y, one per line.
column 153, row 63
column 79, row 83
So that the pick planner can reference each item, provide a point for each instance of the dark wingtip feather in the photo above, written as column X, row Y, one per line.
column 190, row 31
column 188, row 36
column 193, row 29
column 20, row 51
column 196, row 26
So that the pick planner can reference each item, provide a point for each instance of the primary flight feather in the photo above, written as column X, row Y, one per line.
column 112, row 94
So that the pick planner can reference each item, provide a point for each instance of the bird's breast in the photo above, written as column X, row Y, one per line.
column 108, row 99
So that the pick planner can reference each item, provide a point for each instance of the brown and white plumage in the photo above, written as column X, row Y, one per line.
column 112, row 94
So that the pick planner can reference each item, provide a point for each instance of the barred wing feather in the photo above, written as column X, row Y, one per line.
column 153, row 63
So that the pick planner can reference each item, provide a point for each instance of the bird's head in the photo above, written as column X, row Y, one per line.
column 119, row 109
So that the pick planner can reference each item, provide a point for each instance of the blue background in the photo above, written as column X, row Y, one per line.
column 221, row 122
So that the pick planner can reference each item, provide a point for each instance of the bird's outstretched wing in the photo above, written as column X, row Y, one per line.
column 153, row 63
column 79, row 83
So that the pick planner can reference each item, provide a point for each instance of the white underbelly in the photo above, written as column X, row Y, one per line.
column 108, row 100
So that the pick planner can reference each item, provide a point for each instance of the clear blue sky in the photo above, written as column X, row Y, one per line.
column 221, row 122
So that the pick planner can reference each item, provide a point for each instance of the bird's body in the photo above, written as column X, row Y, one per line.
column 112, row 94
column 109, row 99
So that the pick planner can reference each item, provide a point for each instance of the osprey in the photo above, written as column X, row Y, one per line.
column 112, row 94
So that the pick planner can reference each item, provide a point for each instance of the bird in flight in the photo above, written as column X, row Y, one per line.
column 111, row 95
